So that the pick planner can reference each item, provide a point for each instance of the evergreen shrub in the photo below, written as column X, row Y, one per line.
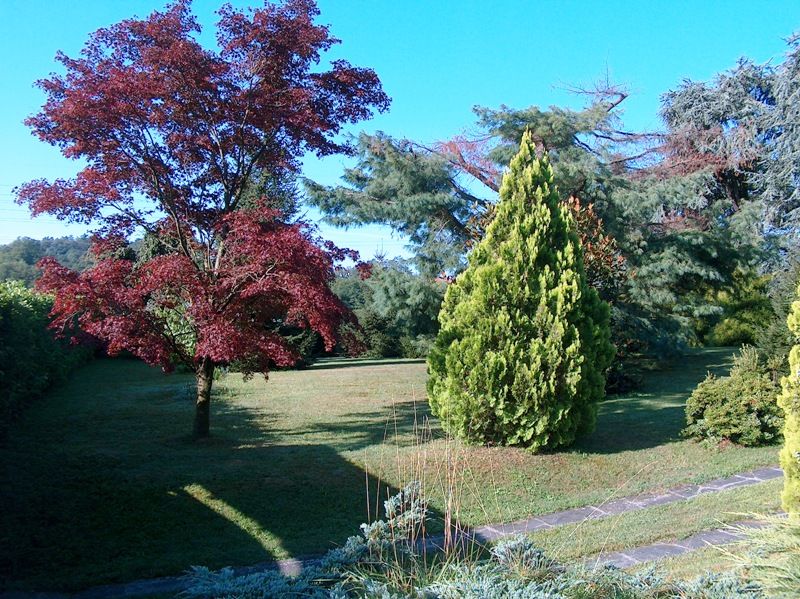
column 524, row 344
column 741, row 407
column 789, row 401
column 746, row 307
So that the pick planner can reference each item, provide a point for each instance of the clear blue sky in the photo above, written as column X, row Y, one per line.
column 436, row 58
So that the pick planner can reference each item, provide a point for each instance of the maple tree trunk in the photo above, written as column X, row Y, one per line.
column 202, row 412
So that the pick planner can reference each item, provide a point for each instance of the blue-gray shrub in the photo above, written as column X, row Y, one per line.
column 372, row 566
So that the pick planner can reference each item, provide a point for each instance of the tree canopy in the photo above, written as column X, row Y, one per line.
column 174, row 135
column 442, row 196
column 670, row 219
column 18, row 259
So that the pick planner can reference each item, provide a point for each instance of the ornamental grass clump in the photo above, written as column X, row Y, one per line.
column 772, row 555
column 524, row 344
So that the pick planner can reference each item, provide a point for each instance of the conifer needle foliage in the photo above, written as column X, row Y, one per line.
column 789, row 400
column 524, row 342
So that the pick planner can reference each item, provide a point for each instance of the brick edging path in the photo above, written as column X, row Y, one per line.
column 494, row 532
column 622, row 505
column 656, row 551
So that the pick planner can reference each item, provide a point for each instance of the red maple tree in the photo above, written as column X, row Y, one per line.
column 173, row 136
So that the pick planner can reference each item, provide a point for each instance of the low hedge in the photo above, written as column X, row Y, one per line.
column 31, row 358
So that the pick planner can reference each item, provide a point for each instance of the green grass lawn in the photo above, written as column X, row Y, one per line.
column 100, row 482
column 689, row 566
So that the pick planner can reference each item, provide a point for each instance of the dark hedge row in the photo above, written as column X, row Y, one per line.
column 31, row 358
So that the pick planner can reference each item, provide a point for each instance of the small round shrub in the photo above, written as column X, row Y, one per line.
column 741, row 407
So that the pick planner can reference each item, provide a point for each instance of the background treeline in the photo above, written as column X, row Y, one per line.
column 18, row 259
column 689, row 232
column 396, row 308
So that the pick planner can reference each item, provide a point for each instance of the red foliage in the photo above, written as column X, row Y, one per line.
column 470, row 155
column 271, row 272
column 155, row 113
column 606, row 267
column 172, row 133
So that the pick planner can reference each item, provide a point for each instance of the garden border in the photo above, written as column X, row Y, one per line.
column 612, row 507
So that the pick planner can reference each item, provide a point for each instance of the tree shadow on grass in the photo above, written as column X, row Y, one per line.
column 331, row 363
column 99, row 483
column 629, row 424
column 655, row 415
column 401, row 424
column 110, row 490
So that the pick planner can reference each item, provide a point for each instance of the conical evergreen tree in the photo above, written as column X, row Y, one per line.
column 789, row 400
column 524, row 342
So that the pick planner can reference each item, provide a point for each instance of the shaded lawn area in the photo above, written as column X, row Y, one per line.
column 100, row 483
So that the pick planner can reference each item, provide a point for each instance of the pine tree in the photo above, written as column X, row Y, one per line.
column 524, row 342
column 789, row 400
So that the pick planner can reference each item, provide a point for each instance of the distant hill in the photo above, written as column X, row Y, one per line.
column 18, row 258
